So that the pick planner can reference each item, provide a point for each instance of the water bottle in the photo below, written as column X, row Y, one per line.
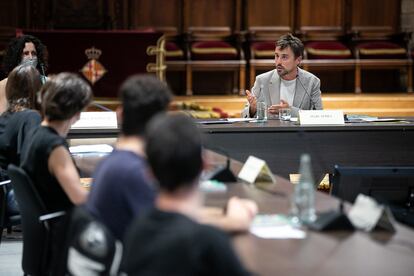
column 303, row 205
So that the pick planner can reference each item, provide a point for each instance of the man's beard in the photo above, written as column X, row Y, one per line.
column 282, row 72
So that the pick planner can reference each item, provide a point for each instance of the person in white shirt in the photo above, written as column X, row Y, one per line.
column 287, row 86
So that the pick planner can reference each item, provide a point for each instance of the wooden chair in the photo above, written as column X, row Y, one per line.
column 215, row 49
column 327, row 51
column 381, row 50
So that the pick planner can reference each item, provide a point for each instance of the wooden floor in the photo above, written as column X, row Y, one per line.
column 390, row 104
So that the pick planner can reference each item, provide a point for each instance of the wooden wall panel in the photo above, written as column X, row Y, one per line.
column 164, row 15
column 320, row 15
column 118, row 13
column 212, row 13
column 79, row 14
column 269, row 14
column 9, row 13
column 381, row 15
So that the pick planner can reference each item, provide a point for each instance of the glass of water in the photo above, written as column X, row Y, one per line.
column 261, row 111
column 285, row 114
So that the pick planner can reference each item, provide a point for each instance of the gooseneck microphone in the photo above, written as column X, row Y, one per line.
column 306, row 92
column 222, row 173
column 101, row 107
column 43, row 74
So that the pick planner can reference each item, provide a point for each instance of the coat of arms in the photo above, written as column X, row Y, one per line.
column 93, row 70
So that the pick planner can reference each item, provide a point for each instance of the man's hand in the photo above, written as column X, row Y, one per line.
column 252, row 102
column 240, row 212
column 274, row 109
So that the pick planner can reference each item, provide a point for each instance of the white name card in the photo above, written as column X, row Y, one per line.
column 103, row 119
column 256, row 171
column 321, row 117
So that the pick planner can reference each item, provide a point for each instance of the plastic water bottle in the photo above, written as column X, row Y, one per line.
column 303, row 205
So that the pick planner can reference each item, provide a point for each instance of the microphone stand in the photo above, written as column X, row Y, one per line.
column 222, row 173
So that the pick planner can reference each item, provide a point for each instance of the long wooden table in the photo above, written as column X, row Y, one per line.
column 281, row 143
column 320, row 253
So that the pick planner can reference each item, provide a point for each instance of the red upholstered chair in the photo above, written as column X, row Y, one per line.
column 262, row 53
column 173, row 51
column 326, row 50
column 215, row 49
column 175, row 58
column 377, row 50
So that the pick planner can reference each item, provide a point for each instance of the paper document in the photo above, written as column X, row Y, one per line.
column 100, row 148
column 275, row 227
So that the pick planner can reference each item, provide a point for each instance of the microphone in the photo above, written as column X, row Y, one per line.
column 221, row 173
column 42, row 71
column 306, row 92
column 101, row 107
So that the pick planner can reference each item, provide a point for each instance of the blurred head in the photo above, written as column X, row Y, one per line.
column 25, row 49
column 22, row 85
column 142, row 97
column 64, row 96
column 288, row 54
column 174, row 152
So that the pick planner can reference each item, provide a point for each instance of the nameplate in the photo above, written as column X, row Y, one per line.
column 321, row 117
column 256, row 171
column 102, row 119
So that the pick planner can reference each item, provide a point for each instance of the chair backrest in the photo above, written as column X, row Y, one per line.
column 91, row 247
column 6, row 220
column 35, row 234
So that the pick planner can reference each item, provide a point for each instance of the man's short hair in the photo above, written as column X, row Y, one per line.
column 64, row 95
column 174, row 151
column 13, row 55
column 142, row 97
column 289, row 40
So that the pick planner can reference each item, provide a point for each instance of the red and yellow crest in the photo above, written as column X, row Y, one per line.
column 93, row 70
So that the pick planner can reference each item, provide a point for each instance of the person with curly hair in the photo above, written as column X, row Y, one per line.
column 25, row 49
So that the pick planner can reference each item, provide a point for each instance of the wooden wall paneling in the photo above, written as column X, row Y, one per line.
column 9, row 13
column 320, row 15
column 212, row 13
column 119, row 14
column 375, row 15
column 80, row 14
column 163, row 15
column 38, row 14
column 269, row 15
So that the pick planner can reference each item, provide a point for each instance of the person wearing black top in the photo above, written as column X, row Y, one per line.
column 17, row 121
column 46, row 159
column 167, row 240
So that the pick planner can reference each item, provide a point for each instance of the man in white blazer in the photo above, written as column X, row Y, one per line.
column 287, row 86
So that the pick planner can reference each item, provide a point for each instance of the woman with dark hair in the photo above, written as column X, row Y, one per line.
column 46, row 158
column 25, row 49
column 18, row 121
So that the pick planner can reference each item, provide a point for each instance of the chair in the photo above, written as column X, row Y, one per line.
column 6, row 221
column 382, row 50
column 327, row 51
column 35, row 222
column 216, row 49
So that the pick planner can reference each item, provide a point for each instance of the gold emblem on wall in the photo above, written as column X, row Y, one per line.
column 93, row 70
